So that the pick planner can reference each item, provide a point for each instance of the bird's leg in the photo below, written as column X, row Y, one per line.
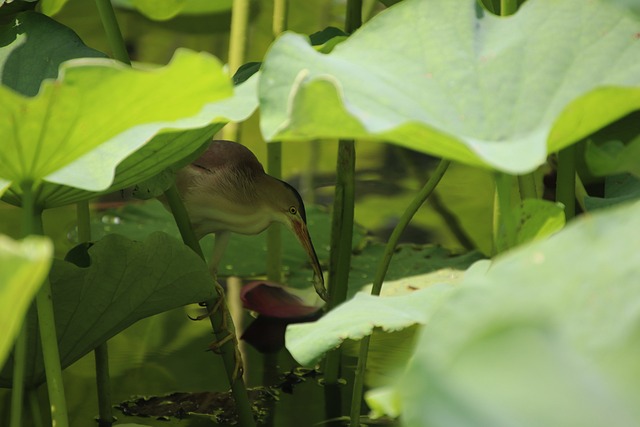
column 227, row 326
column 219, row 245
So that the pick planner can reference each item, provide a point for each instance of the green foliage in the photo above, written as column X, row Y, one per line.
column 544, row 334
column 33, row 48
column 125, row 282
column 82, row 140
column 460, row 90
column 168, row 9
column 23, row 268
column 537, row 337
column 617, row 189
column 613, row 157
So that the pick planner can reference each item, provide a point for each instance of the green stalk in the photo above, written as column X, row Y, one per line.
column 112, row 30
column 505, row 222
column 280, row 16
column 274, row 233
column 101, row 352
column 237, row 48
column 34, row 406
column 20, row 352
column 381, row 272
column 17, row 391
column 566, row 181
column 527, row 186
column 341, row 243
column 46, row 320
column 274, row 163
column 508, row 7
column 229, row 350
column 353, row 19
column 342, row 218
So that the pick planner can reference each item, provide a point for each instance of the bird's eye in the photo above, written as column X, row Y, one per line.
column 293, row 210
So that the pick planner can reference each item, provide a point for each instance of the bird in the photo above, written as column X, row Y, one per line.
column 226, row 190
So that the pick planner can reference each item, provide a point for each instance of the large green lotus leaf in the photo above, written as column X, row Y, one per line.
column 548, row 334
column 32, row 47
column 161, row 151
column 449, row 79
column 125, row 281
column 358, row 317
column 23, row 268
column 167, row 9
column 408, row 260
column 79, row 127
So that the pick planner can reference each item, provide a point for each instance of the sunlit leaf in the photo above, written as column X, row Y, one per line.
column 548, row 334
column 23, row 268
column 449, row 79
column 78, row 128
column 125, row 282
column 162, row 151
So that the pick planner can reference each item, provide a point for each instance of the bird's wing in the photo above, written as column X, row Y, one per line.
column 228, row 155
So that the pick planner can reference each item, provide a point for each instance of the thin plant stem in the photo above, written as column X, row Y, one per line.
column 381, row 272
column 20, row 353
column 274, row 163
column 508, row 7
column 404, row 221
column 101, row 352
column 274, row 233
column 17, row 391
column 237, row 49
column 527, row 186
column 34, row 407
column 504, row 223
column 566, row 181
column 218, row 317
column 342, row 218
column 353, row 19
column 46, row 323
column 112, row 30
column 341, row 243
column 280, row 16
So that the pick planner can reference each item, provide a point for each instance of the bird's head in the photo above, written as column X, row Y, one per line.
column 288, row 209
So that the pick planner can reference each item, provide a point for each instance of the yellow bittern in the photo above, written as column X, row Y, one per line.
column 226, row 190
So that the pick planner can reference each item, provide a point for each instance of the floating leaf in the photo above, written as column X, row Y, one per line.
column 125, row 282
column 446, row 78
column 359, row 316
column 23, row 268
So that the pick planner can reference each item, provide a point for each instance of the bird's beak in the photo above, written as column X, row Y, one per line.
column 302, row 233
